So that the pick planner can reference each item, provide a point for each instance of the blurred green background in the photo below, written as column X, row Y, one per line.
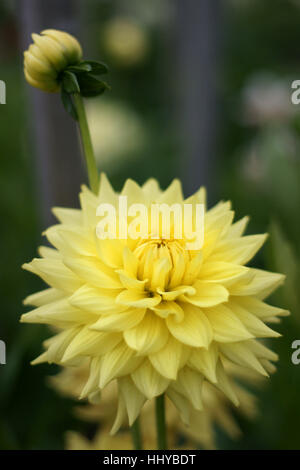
column 200, row 90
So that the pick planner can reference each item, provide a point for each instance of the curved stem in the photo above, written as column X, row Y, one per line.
column 161, row 422
column 136, row 435
column 87, row 143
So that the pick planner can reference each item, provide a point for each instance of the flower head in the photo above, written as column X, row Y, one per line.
column 51, row 52
column 150, row 313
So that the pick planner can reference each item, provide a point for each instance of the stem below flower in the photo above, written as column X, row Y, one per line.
column 87, row 144
column 136, row 435
column 161, row 422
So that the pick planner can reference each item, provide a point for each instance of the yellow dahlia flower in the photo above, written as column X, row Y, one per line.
column 51, row 52
column 150, row 314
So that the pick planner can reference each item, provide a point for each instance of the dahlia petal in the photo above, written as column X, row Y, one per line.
column 95, row 300
column 225, row 273
column 261, row 351
column 42, row 358
column 241, row 355
column 130, row 282
column 201, row 194
column 44, row 297
column 238, row 250
column 130, row 262
column 194, row 330
column 119, row 321
column 106, row 192
column 133, row 398
column 58, row 344
column 173, row 194
column 253, row 324
column 185, row 354
column 205, row 361
column 91, row 343
column 270, row 368
column 53, row 236
column 210, row 241
column 238, row 228
column 181, row 403
column 72, row 240
column 261, row 285
column 176, row 292
column 149, row 336
column 168, row 359
column 165, row 308
column 94, row 398
column 223, row 384
column 134, row 192
column 220, row 208
column 207, row 294
column 161, row 269
column 227, row 328
column 274, row 319
column 110, row 252
column 189, row 384
column 93, row 271
column 193, row 269
column 120, row 416
column 89, row 204
column 47, row 252
column 220, row 221
column 260, row 308
column 68, row 216
column 151, row 189
column 120, row 361
column 148, row 381
column 92, row 383
column 137, row 299
column 176, row 275
column 54, row 273
column 59, row 313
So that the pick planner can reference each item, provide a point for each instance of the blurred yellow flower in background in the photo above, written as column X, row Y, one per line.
column 118, row 133
column 199, row 433
column 153, row 315
column 126, row 41
column 101, row 441
column 51, row 52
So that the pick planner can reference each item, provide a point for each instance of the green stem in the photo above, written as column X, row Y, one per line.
column 161, row 422
column 136, row 435
column 87, row 143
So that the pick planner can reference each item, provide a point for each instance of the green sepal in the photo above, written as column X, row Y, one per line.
column 82, row 67
column 70, row 83
column 97, row 68
column 91, row 86
column 68, row 104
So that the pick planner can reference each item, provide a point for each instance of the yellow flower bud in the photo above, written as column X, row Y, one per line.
column 51, row 52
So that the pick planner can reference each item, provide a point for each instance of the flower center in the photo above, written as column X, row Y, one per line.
column 148, row 251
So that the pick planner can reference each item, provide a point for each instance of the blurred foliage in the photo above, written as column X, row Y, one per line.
column 257, row 168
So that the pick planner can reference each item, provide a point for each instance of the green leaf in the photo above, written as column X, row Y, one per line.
column 97, row 68
column 68, row 104
column 91, row 86
column 70, row 82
